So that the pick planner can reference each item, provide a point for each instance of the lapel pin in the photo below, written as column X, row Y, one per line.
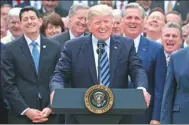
column 44, row 46
column 144, row 49
column 115, row 47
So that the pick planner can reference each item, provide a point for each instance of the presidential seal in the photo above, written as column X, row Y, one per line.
column 98, row 99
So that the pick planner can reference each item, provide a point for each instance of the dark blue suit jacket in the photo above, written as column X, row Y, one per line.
column 175, row 104
column 153, row 59
column 21, row 81
column 77, row 64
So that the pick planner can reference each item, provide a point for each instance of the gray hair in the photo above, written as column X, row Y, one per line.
column 117, row 13
column 75, row 7
column 134, row 5
column 14, row 12
column 99, row 10
column 185, row 27
column 187, row 40
column 173, row 25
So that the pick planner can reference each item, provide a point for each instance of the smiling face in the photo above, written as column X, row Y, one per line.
column 171, row 39
column 30, row 23
column 14, row 26
column 155, row 22
column 133, row 22
column 117, row 26
column 101, row 26
column 78, row 22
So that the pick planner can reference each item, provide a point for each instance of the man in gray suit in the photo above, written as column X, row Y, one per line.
column 175, row 104
column 77, row 24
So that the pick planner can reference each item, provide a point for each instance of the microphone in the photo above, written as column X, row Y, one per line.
column 100, row 50
column 100, row 45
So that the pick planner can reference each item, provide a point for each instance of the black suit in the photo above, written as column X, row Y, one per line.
column 3, row 110
column 62, row 38
column 22, row 83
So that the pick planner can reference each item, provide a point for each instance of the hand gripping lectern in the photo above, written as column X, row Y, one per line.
column 70, row 101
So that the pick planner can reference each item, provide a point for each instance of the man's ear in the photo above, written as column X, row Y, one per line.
column 88, row 25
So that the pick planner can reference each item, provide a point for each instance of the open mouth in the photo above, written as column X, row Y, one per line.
column 170, row 45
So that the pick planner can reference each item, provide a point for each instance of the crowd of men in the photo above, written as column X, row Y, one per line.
column 47, row 45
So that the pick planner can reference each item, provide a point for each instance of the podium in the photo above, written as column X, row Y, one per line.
column 70, row 101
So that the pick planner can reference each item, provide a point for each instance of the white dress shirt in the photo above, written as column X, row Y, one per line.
column 137, row 42
column 84, row 2
column 36, row 3
column 166, row 4
column 185, row 44
column 118, row 3
column 72, row 36
column 29, row 41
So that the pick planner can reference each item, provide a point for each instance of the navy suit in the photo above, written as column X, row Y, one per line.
column 175, row 104
column 3, row 110
column 77, row 65
column 22, row 82
column 153, row 60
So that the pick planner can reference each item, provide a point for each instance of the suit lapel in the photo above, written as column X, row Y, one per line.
column 25, row 50
column 44, row 49
column 187, row 60
column 89, row 56
column 142, row 49
column 114, row 51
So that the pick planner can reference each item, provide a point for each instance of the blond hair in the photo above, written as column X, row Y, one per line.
column 99, row 10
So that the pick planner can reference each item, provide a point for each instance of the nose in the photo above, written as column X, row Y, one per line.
column 83, row 21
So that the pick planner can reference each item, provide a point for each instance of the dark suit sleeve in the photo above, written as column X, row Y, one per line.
column 168, row 95
column 12, row 93
column 62, row 73
column 136, row 70
column 160, row 75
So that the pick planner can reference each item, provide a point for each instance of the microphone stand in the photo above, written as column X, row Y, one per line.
column 100, row 51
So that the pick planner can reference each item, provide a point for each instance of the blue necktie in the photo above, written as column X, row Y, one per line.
column 105, row 69
column 35, row 55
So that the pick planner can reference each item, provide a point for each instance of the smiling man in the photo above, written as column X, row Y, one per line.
column 155, row 22
column 77, row 24
column 171, row 38
column 77, row 66
column 27, row 64
column 153, row 59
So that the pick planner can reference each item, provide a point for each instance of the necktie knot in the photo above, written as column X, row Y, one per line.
column 34, row 44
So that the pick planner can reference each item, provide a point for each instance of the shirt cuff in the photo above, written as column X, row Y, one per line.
column 25, row 111
column 144, row 89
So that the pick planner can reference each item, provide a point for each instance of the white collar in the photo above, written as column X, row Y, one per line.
column 72, row 36
column 29, row 41
column 95, row 40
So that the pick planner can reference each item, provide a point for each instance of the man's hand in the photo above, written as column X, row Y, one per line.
column 147, row 97
column 33, row 114
column 46, row 112
column 154, row 122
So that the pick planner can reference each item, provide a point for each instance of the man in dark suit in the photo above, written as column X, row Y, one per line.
column 78, row 62
column 77, row 24
column 175, row 104
column 27, row 64
column 3, row 110
column 153, row 60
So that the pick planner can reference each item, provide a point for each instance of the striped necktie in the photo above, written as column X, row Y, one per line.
column 105, row 69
